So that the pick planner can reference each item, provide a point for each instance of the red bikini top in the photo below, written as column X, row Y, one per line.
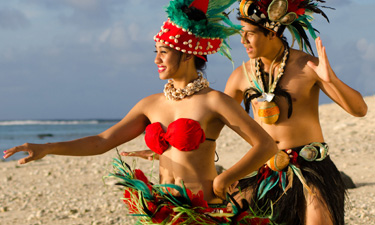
column 183, row 134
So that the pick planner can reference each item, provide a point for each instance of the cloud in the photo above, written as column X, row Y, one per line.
column 116, row 36
column 366, row 49
column 13, row 19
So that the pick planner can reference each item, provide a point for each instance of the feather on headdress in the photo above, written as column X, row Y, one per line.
column 199, row 37
column 276, row 15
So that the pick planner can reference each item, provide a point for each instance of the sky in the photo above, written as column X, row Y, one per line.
column 89, row 59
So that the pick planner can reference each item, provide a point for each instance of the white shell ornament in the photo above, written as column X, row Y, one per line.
column 288, row 18
column 277, row 9
column 310, row 152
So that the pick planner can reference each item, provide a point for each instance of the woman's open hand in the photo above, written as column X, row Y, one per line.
column 35, row 152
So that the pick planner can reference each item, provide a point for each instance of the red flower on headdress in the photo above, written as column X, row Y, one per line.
column 263, row 6
column 295, row 6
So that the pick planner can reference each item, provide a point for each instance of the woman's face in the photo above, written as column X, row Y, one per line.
column 168, row 61
column 253, row 40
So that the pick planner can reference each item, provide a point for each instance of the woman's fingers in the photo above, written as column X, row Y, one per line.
column 34, row 152
column 8, row 153
column 144, row 154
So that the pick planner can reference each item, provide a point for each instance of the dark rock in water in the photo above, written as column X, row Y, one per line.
column 349, row 184
column 41, row 136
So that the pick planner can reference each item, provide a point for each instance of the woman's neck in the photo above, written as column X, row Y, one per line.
column 183, row 81
column 186, row 74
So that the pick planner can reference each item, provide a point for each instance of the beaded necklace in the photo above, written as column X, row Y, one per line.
column 191, row 88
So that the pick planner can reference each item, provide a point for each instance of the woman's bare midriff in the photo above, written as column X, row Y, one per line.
column 195, row 169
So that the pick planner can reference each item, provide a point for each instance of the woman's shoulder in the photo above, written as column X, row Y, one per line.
column 215, row 97
column 152, row 99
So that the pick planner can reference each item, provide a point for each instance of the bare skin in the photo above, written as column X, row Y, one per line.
column 212, row 109
column 304, row 77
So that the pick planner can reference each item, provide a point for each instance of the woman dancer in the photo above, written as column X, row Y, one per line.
column 182, row 123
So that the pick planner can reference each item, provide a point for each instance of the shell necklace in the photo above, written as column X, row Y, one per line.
column 191, row 88
column 268, row 111
column 267, row 90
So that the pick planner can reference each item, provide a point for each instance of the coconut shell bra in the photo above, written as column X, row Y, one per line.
column 183, row 134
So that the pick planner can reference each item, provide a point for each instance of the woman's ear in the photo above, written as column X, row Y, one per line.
column 187, row 57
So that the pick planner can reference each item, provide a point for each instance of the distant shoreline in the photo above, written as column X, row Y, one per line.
column 55, row 121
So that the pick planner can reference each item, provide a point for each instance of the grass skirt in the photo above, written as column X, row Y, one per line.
column 287, row 190
column 154, row 204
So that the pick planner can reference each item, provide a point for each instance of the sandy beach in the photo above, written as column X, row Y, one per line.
column 70, row 190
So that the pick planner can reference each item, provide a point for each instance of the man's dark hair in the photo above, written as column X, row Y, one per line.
column 264, row 30
column 261, row 28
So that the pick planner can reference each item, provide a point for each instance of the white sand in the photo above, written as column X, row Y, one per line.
column 70, row 190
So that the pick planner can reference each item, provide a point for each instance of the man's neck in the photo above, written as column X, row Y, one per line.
column 275, row 54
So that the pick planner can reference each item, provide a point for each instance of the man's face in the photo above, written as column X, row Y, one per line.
column 253, row 40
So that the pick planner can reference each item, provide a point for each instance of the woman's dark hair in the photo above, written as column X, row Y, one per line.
column 200, row 64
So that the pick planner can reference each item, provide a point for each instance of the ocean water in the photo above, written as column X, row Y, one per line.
column 18, row 132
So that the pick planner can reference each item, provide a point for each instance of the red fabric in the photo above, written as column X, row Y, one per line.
column 187, row 42
column 202, row 5
column 183, row 134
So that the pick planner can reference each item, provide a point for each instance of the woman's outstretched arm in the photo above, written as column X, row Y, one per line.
column 132, row 125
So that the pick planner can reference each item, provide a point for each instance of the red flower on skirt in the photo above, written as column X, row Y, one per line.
column 253, row 221
column 197, row 200
column 161, row 214
column 259, row 221
column 140, row 175
column 130, row 201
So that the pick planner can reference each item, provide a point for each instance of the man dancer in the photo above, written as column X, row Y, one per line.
column 282, row 85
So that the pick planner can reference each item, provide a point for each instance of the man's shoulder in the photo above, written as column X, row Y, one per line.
column 239, row 68
column 238, row 73
column 300, row 56
column 298, row 60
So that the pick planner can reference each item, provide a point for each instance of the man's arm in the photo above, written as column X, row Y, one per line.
column 233, row 86
column 349, row 99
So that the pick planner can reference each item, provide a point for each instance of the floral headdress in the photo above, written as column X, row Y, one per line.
column 198, row 37
column 276, row 15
